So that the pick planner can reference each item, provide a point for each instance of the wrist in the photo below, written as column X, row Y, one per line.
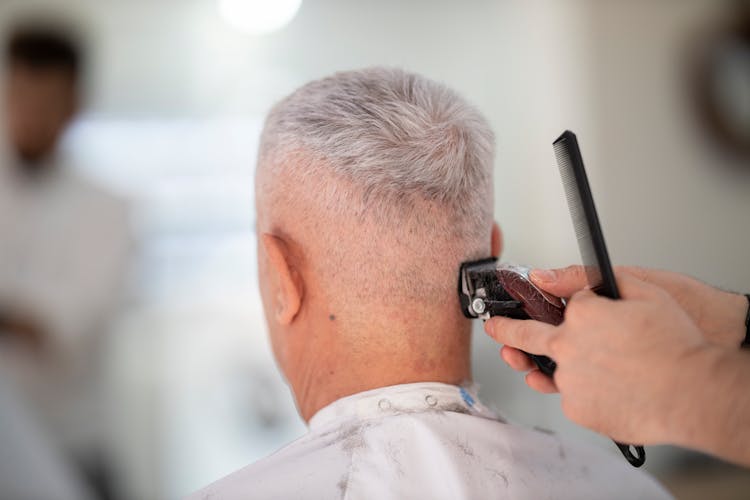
column 690, row 406
column 708, row 410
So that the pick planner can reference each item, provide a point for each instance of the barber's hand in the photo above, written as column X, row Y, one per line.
column 622, row 366
column 718, row 314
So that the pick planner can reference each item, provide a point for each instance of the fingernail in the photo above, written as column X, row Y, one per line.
column 543, row 275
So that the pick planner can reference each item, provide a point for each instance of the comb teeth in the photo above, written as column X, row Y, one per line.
column 575, row 205
column 583, row 214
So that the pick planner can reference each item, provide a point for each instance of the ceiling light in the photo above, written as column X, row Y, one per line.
column 258, row 17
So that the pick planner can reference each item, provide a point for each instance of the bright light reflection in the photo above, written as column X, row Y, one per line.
column 258, row 16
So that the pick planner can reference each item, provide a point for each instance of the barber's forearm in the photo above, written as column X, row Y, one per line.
column 716, row 410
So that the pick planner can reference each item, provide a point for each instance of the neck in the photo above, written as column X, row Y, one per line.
column 346, row 359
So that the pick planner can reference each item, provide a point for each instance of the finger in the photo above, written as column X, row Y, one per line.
column 632, row 287
column 629, row 286
column 518, row 360
column 585, row 306
column 641, row 273
column 582, row 295
column 561, row 282
column 526, row 335
column 541, row 382
column 582, row 305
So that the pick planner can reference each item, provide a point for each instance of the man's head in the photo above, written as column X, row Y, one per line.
column 41, row 90
column 372, row 187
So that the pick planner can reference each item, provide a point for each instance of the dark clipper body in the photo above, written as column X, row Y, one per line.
column 488, row 289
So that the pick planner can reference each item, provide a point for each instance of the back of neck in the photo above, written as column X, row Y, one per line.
column 365, row 357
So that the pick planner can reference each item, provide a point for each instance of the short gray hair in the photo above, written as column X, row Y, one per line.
column 401, row 143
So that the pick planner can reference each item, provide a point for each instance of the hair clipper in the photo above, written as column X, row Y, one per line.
column 487, row 288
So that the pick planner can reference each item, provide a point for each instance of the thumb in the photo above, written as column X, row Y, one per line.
column 562, row 282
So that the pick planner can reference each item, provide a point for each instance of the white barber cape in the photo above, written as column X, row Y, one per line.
column 429, row 441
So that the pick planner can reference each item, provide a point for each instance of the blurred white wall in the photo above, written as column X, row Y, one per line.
column 669, row 198
column 190, row 366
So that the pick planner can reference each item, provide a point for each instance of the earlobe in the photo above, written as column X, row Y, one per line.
column 286, row 281
column 496, row 240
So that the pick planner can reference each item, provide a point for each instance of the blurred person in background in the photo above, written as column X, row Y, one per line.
column 372, row 187
column 63, row 249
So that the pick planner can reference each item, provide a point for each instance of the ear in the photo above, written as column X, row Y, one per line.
column 496, row 240
column 285, row 280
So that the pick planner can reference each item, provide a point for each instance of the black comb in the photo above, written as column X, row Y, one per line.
column 591, row 244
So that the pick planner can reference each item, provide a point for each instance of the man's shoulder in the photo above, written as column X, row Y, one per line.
column 436, row 455
column 309, row 467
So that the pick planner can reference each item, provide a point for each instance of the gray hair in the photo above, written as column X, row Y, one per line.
column 415, row 157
